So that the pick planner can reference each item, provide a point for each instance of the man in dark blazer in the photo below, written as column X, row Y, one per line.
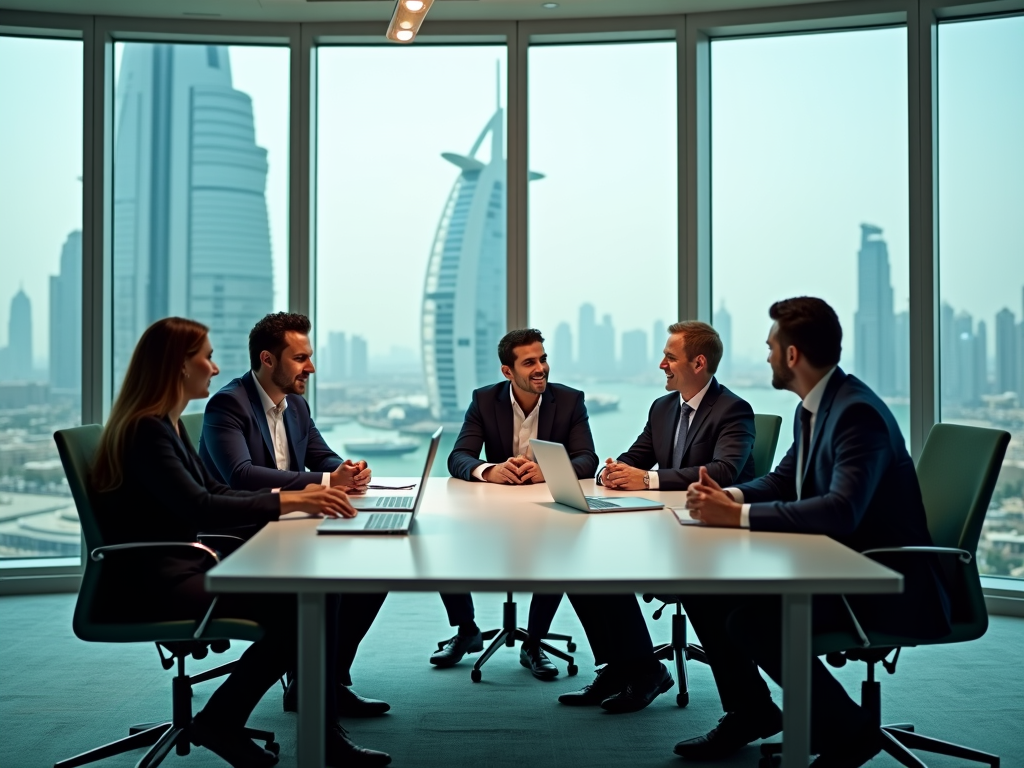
column 501, row 419
column 258, row 433
column 699, row 422
column 848, row 476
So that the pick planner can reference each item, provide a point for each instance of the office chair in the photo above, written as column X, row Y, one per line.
column 766, row 439
column 957, row 471
column 194, row 426
column 179, row 639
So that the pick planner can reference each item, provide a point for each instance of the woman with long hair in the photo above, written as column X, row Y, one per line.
column 149, row 485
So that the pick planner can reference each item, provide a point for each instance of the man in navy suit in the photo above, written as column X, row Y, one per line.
column 699, row 422
column 500, row 420
column 258, row 433
column 847, row 475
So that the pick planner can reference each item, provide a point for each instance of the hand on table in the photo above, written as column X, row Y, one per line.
column 518, row 470
column 351, row 476
column 710, row 504
column 317, row 500
column 622, row 477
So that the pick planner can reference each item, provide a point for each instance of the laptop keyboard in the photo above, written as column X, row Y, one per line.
column 393, row 501
column 595, row 502
column 385, row 520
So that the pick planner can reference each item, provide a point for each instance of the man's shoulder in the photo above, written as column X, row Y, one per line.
column 233, row 391
column 563, row 390
column 729, row 398
column 490, row 392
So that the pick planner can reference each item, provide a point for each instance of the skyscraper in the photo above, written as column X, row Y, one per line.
column 464, row 293
column 66, row 318
column 901, row 344
column 337, row 356
column 360, row 359
column 723, row 324
column 874, row 348
column 563, row 348
column 1006, row 352
column 191, row 233
column 634, row 353
column 590, row 342
column 17, row 357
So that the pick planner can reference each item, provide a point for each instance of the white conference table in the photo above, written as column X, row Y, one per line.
column 488, row 538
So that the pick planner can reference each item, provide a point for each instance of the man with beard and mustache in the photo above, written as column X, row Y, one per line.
column 501, row 420
column 847, row 475
column 258, row 433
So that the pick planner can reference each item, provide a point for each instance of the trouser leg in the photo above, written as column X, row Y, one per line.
column 615, row 627
column 356, row 613
column 740, row 685
column 460, row 608
column 542, row 612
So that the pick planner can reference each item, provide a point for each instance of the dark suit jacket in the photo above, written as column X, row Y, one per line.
column 861, row 489
column 236, row 446
column 720, row 437
column 488, row 425
column 167, row 495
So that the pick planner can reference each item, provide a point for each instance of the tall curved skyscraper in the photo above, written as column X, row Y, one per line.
column 191, row 233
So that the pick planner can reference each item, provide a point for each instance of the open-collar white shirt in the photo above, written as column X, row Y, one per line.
column 278, row 433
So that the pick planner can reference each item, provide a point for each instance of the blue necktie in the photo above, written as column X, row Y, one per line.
column 684, row 423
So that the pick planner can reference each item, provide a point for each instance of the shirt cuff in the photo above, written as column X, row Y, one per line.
column 653, row 475
column 600, row 472
column 745, row 516
column 275, row 490
column 736, row 493
column 478, row 473
column 326, row 482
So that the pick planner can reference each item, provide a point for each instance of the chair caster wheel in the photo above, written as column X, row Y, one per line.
column 273, row 746
column 572, row 670
column 571, row 647
column 682, row 699
column 476, row 675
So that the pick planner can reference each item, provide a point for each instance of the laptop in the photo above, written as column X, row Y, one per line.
column 395, row 513
column 565, row 487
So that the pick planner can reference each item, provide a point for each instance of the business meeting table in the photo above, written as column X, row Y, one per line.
column 489, row 538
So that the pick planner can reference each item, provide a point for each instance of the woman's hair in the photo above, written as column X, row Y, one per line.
column 152, row 387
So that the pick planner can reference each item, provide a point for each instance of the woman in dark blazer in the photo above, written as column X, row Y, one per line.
column 149, row 485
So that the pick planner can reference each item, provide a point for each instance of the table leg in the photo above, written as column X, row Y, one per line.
column 311, row 681
column 796, row 680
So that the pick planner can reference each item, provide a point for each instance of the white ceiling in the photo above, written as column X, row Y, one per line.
column 380, row 10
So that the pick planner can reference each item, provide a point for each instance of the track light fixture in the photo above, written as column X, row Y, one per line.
column 406, row 20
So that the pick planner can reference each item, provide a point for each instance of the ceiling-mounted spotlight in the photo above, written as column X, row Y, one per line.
column 407, row 18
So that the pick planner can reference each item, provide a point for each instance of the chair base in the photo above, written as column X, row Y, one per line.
column 681, row 651
column 507, row 636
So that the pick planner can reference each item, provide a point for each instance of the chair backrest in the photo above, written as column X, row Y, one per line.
column 194, row 426
column 957, row 470
column 766, row 439
column 77, row 447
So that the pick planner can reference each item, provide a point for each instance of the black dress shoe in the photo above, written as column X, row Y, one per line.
column 608, row 682
column 534, row 659
column 453, row 651
column 733, row 732
column 351, row 704
column 640, row 690
column 340, row 752
column 231, row 745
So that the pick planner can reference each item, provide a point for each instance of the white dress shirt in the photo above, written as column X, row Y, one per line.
column 812, row 403
column 524, row 428
column 278, row 434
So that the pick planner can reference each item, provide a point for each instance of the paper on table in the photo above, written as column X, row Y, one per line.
column 683, row 516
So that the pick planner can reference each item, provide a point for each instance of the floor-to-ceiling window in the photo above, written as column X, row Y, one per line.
column 40, row 293
column 410, row 244
column 200, row 193
column 809, row 189
column 981, row 256
column 603, row 213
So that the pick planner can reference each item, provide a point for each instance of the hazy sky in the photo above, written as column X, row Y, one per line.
column 809, row 141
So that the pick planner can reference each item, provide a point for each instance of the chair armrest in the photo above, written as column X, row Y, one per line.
column 220, row 536
column 98, row 553
column 963, row 555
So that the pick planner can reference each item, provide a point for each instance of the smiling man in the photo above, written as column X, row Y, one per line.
column 501, row 419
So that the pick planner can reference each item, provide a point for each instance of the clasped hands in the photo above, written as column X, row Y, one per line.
column 518, row 470
column 352, row 477
column 710, row 504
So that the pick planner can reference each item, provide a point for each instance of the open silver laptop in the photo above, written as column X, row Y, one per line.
column 565, row 487
column 393, row 515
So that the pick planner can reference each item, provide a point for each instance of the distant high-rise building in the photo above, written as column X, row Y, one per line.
column 337, row 356
column 947, row 356
column 17, row 357
column 360, row 359
column 874, row 348
column 901, row 345
column 191, row 233
column 634, row 353
column 979, row 366
column 658, row 335
column 1006, row 352
column 66, row 318
column 590, row 341
column 563, row 348
column 605, row 357
column 723, row 324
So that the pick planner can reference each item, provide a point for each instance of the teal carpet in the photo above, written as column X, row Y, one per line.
column 60, row 696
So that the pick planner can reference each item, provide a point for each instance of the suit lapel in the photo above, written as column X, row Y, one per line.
column 670, row 433
column 503, row 418
column 701, row 415
column 546, row 416
column 259, row 415
column 822, row 416
column 291, row 429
